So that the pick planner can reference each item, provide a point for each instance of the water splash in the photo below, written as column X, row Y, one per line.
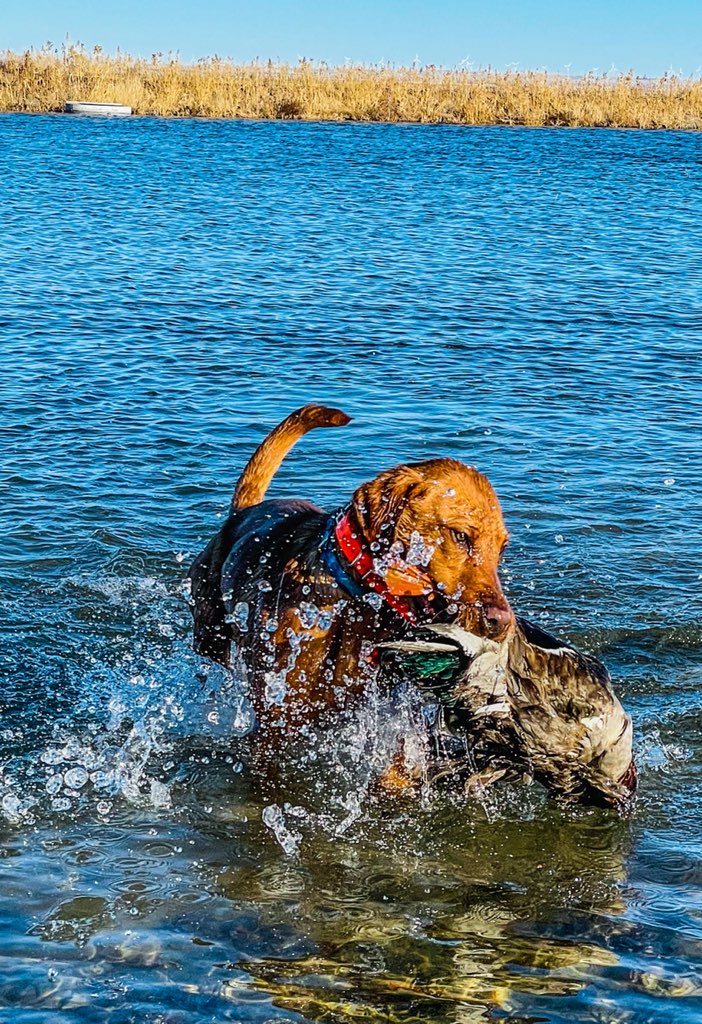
column 273, row 817
column 136, row 703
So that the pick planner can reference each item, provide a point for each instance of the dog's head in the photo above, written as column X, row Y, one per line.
column 435, row 529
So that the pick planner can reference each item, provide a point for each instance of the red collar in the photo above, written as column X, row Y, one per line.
column 361, row 561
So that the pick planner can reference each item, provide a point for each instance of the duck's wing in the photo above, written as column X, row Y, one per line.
column 573, row 725
column 538, row 637
column 558, row 673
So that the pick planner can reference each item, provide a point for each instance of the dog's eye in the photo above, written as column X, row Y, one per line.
column 462, row 539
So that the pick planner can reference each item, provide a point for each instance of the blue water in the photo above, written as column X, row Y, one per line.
column 527, row 300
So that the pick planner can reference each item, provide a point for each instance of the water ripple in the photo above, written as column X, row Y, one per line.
column 529, row 301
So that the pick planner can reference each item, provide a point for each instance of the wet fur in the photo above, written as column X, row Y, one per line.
column 267, row 556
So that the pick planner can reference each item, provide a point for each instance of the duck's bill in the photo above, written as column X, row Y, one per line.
column 418, row 647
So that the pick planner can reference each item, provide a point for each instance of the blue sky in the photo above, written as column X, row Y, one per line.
column 649, row 36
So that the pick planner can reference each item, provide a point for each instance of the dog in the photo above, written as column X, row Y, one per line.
column 298, row 598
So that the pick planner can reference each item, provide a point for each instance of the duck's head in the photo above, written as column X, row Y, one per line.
column 531, row 705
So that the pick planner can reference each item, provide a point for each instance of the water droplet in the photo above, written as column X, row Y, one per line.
column 75, row 778
column 52, row 756
column 240, row 615
column 12, row 805
column 275, row 689
column 244, row 718
column 419, row 553
column 54, row 784
column 273, row 819
column 308, row 615
column 160, row 796
column 325, row 619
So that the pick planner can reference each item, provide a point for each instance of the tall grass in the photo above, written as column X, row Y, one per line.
column 42, row 80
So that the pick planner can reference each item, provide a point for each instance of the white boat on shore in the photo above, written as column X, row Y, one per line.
column 96, row 109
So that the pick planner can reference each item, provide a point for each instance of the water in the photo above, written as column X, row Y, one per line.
column 529, row 301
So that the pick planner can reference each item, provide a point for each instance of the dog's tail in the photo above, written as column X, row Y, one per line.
column 263, row 464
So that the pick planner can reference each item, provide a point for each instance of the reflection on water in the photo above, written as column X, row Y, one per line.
column 430, row 912
column 528, row 301
column 142, row 879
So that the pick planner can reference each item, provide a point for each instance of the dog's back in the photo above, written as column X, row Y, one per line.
column 252, row 548
column 231, row 562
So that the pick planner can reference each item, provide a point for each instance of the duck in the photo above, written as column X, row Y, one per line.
column 529, row 708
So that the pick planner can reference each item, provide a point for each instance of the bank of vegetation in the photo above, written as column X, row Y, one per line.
column 40, row 81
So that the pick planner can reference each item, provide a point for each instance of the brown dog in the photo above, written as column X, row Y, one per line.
column 302, row 597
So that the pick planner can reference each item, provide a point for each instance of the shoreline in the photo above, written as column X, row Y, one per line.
column 41, row 81
column 350, row 122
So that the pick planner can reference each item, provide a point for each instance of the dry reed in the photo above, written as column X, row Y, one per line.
column 39, row 81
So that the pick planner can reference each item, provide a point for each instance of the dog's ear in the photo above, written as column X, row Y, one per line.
column 382, row 509
column 378, row 506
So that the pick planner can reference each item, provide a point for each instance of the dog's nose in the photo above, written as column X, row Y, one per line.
column 498, row 618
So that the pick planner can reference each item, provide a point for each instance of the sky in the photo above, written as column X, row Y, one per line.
column 567, row 36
